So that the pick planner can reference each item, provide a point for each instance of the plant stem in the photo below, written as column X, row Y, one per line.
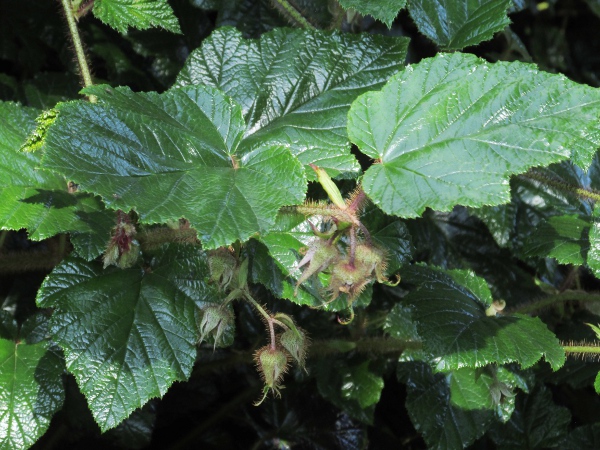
column 84, row 68
column 292, row 13
column 567, row 296
column 582, row 349
column 270, row 321
column 559, row 184
column 155, row 237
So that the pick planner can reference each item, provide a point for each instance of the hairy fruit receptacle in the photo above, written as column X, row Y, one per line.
column 272, row 364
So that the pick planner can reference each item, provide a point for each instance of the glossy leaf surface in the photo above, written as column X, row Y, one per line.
column 454, row 25
column 128, row 334
column 453, row 128
column 184, row 146
column 384, row 11
column 38, row 200
column 295, row 87
column 352, row 387
column 451, row 410
column 31, row 392
column 458, row 332
column 140, row 14
column 537, row 423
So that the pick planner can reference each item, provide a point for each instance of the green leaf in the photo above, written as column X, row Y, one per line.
column 454, row 25
column 128, row 334
column 597, row 383
column 537, row 423
column 586, row 436
column 185, row 146
column 455, row 329
column 391, row 235
column 140, row 14
column 399, row 324
column 477, row 285
column 451, row 410
column 295, row 87
column 38, row 200
column 593, row 255
column 351, row 387
column 453, row 128
column 565, row 238
column 383, row 11
column 31, row 391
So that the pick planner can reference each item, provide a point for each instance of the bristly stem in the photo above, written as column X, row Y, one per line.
column 559, row 184
column 582, row 349
column 268, row 319
column 84, row 68
column 292, row 13
column 566, row 296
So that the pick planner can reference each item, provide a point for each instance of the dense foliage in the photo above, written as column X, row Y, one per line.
column 310, row 225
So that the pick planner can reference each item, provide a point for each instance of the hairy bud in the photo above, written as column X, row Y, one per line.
column 123, row 249
column 272, row 365
column 214, row 322
column 296, row 343
column 222, row 266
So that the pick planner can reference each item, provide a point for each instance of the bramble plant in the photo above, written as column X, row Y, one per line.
column 334, row 224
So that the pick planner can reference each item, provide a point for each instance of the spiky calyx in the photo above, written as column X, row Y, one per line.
column 319, row 256
column 374, row 259
column 272, row 364
column 296, row 342
column 222, row 265
column 215, row 320
column 349, row 278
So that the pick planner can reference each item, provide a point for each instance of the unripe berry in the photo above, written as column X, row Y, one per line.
column 349, row 278
column 272, row 364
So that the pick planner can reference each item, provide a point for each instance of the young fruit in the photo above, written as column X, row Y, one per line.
column 349, row 278
column 272, row 364
column 373, row 259
column 215, row 320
